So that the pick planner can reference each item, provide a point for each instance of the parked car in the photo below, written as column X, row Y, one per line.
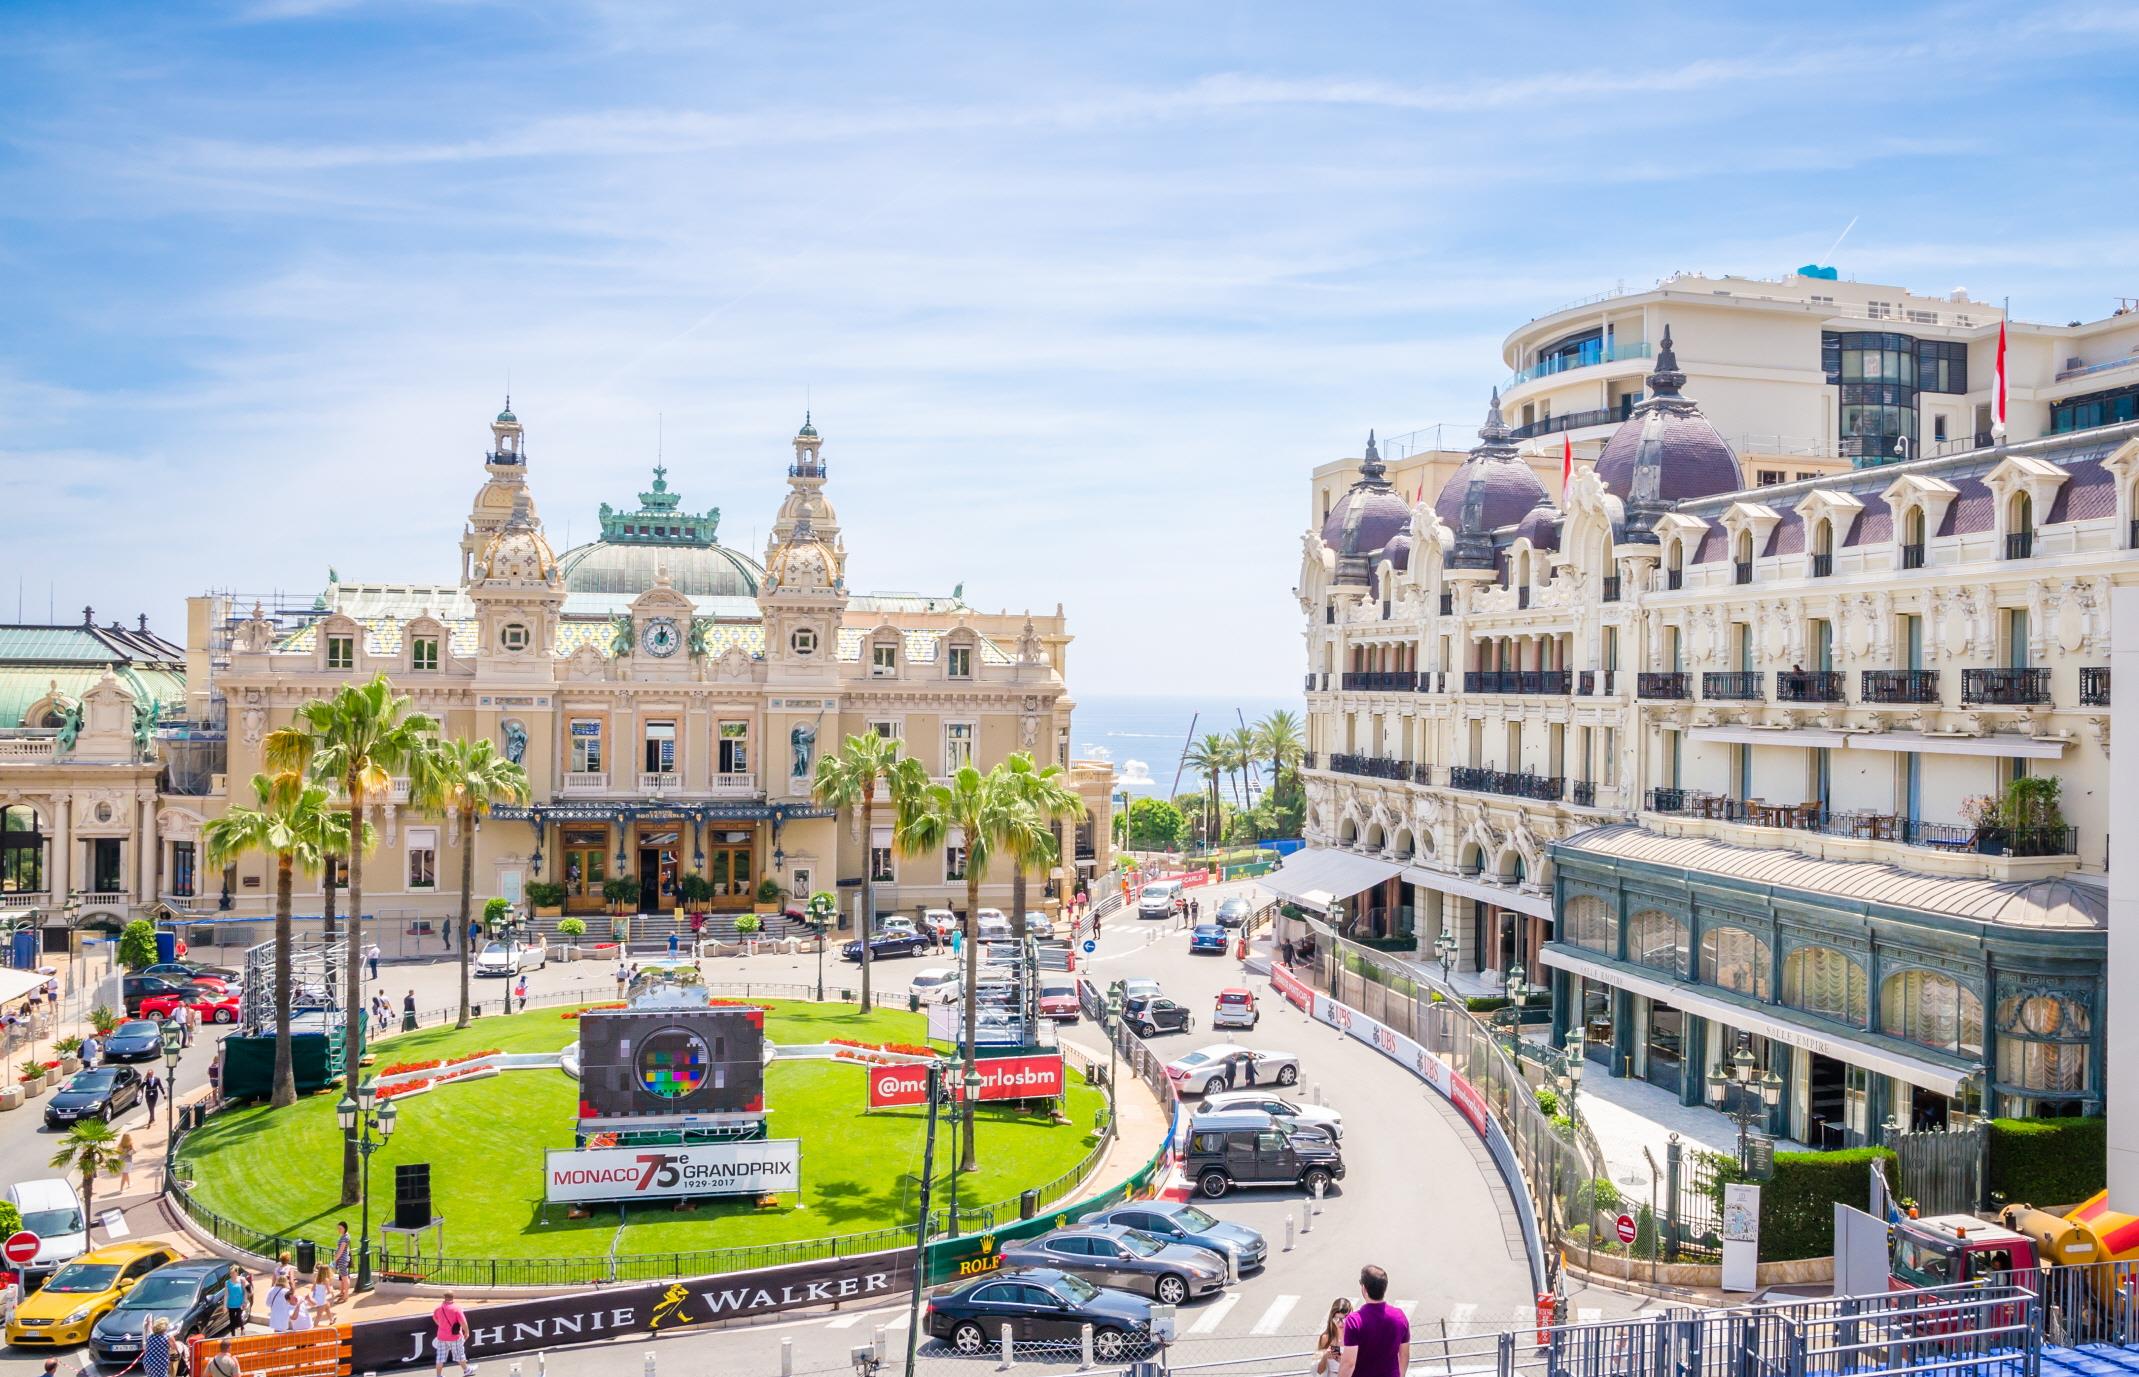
column 135, row 988
column 1058, row 998
column 886, row 944
column 1234, row 912
column 137, row 1039
column 1246, row 1147
column 511, row 958
column 188, row 1293
column 937, row 985
column 1314, row 1116
column 213, row 1005
column 1112, row 1255
column 1207, row 939
column 1177, row 1221
column 51, row 1210
column 68, row 1306
column 1223, row 1066
column 991, row 924
column 1236, row 1009
column 1150, row 1015
column 1136, row 987
column 1159, row 899
column 1038, row 924
column 1041, row 1305
column 183, row 971
column 105, row 1093
column 898, row 922
column 941, row 921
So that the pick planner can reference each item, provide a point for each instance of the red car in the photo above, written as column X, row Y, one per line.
column 213, row 1004
column 1058, row 999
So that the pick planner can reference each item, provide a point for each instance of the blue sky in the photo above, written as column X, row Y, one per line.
column 1079, row 293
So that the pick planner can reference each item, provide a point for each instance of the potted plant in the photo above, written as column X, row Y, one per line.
column 31, row 1076
column 620, row 891
column 53, row 1075
column 696, row 891
column 769, row 893
column 747, row 927
column 70, row 1054
column 546, row 899
column 1980, row 811
column 2034, row 824
column 103, row 1020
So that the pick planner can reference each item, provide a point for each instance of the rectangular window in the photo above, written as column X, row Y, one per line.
column 881, row 870
column 954, row 856
column 1938, row 428
column 423, row 858
column 1611, row 648
column 661, row 748
column 883, row 659
column 341, row 652
column 734, row 748
column 1770, row 477
column 957, row 746
column 183, row 871
column 961, row 661
column 423, row 653
column 586, row 746
column 1611, row 755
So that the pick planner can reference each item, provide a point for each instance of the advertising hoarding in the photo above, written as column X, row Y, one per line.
column 673, row 1171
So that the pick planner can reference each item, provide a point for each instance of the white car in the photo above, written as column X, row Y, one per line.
column 937, row 985
column 1160, row 899
column 1224, row 1066
column 898, row 923
column 1313, row 1116
column 941, row 921
column 1038, row 924
column 51, row 1210
column 992, row 924
column 510, row 958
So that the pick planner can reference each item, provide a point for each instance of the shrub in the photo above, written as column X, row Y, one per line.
column 10, row 1219
column 571, row 927
column 495, row 910
column 544, row 894
column 768, row 890
column 67, row 1047
column 1797, row 1204
column 1548, row 1101
column 749, row 924
column 2047, row 1161
column 620, row 889
column 137, row 944
column 1485, row 1004
column 103, row 1020
column 1597, row 1197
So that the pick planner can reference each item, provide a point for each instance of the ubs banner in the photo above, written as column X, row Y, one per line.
column 655, row 1308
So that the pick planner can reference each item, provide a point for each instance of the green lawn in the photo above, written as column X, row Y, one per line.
column 484, row 1140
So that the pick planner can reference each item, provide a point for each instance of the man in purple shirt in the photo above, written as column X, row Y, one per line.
column 1377, row 1336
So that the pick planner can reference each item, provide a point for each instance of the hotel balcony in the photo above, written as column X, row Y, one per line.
column 586, row 782
column 1889, row 686
column 1513, row 784
column 1591, row 682
column 2005, row 688
column 21, row 900
column 1381, row 680
column 1866, row 825
column 1560, row 681
column 1809, row 686
column 2094, row 686
column 1583, row 793
column 1371, row 766
column 1734, row 686
column 735, row 786
column 1676, row 685
column 1587, row 356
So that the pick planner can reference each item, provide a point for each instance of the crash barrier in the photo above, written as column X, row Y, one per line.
column 298, row 1353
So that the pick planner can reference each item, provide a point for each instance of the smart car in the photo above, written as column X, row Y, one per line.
column 1150, row 1015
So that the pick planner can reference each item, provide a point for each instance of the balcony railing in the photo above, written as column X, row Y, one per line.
column 1611, row 588
column 1310, row 681
column 1584, row 356
column 1518, row 681
column 1586, row 683
column 660, row 781
column 1310, row 760
column 735, row 786
column 1912, row 556
column 2019, row 544
column 1736, row 686
column 1809, row 686
column 26, row 749
column 1381, row 680
column 1899, row 686
column 1422, row 773
column 1370, row 766
column 1742, row 571
column 586, row 782
column 1670, row 685
column 1584, row 793
column 1511, row 783
column 2005, row 688
column 18, row 900
column 1822, row 566
column 1433, row 681
column 1865, row 824
column 2094, row 686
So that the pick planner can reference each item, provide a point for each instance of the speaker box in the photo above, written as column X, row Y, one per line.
column 412, row 1195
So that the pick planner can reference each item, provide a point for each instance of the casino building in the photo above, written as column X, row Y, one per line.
column 668, row 696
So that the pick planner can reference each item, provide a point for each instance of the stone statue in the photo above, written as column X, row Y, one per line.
column 620, row 634
column 70, row 726
column 515, row 739
column 146, row 715
column 803, row 740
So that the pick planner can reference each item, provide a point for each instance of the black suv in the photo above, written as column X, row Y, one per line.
column 136, row 988
column 1247, row 1147
column 1150, row 1015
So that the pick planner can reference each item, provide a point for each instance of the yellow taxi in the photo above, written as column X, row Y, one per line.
column 69, row 1304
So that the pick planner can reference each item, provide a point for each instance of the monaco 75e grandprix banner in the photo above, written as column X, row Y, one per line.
column 770, row 1166
column 1001, row 1078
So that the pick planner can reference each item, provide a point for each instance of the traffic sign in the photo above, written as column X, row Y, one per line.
column 1090, row 946
column 1626, row 1228
column 21, row 1247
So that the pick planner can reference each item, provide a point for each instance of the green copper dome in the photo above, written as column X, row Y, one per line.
column 636, row 545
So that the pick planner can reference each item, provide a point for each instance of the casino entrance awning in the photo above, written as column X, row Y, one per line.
column 1317, row 878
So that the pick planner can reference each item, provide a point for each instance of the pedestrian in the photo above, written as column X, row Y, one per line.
column 371, row 959
column 215, row 1081
column 237, row 1299
column 156, row 1348
column 278, row 1306
column 445, row 935
column 152, row 1090
column 674, row 938
column 1377, row 1336
column 1329, row 1348
column 301, row 1316
column 321, row 1295
column 623, row 975
column 408, row 1012
column 126, row 1160
column 341, row 1260
column 520, row 989
column 224, row 1363
column 88, row 1052
column 451, row 1339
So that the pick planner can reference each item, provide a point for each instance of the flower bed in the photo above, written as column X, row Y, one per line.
column 453, row 1072
column 402, row 1068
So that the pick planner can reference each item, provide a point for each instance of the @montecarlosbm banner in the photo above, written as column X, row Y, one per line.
column 655, row 1308
column 1001, row 1078
column 765, row 1167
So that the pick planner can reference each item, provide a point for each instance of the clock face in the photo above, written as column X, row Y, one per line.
column 661, row 637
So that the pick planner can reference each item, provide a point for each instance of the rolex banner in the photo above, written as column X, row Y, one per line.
column 875, row 1279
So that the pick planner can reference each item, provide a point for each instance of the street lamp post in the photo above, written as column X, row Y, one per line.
column 1763, row 1091
column 1518, row 991
column 820, row 910
column 1571, row 1074
column 1444, row 951
column 359, row 1122
column 174, row 1044
column 1113, row 1022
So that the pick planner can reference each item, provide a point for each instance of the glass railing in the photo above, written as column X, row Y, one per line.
column 1587, row 356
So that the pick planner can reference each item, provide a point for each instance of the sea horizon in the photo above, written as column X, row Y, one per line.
column 1142, row 735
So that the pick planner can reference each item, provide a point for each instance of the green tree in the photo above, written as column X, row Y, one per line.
column 1243, row 745
column 1043, row 787
column 1154, row 825
column 1278, row 740
column 89, row 1150
column 991, row 815
column 137, row 944
column 294, row 825
column 867, row 768
column 356, row 741
column 1210, row 757
column 461, row 779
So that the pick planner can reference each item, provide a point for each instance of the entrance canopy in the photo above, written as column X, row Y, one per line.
column 1506, row 896
column 14, row 984
column 1316, row 878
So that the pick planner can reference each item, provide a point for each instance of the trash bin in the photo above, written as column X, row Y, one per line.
column 307, row 1258
column 1028, row 1204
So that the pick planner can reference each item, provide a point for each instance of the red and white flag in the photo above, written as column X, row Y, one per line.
column 1567, row 467
column 1997, row 395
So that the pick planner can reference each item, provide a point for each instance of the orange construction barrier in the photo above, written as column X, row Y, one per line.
column 300, row 1353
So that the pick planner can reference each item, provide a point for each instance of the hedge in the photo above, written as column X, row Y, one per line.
column 1797, row 1203
column 2047, row 1161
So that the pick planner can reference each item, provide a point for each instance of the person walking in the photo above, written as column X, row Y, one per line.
column 151, row 1091
column 519, row 989
column 278, row 1306
column 126, row 1160
column 371, row 959
column 341, row 1260
column 674, row 940
column 156, row 1348
column 224, row 1363
column 88, row 1052
column 238, row 1299
column 1377, row 1336
column 320, row 1297
column 1329, row 1347
column 450, row 1342
column 408, row 1012
column 623, row 977
column 215, row 1082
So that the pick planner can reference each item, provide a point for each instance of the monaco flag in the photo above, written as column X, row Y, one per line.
column 1997, row 394
column 1567, row 466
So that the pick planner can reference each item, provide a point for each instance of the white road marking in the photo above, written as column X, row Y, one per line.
column 1407, row 1306
column 898, row 1321
column 1461, row 1316
column 847, row 1321
column 1275, row 1315
column 1588, row 1314
column 1214, row 1314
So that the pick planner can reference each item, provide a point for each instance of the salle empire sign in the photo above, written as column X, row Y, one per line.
column 656, row 1308
column 767, row 1167
column 1001, row 1078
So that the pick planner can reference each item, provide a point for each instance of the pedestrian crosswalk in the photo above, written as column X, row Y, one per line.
column 1273, row 1319
column 1211, row 1316
column 1235, row 1314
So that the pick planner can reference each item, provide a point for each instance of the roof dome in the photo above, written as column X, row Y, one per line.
column 1541, row 527
column 803, row 564
column 1510, row 488
column 506, row 418
column 1398, row 550
column 636, row 545
column 1669, row 444
column 1370, row 514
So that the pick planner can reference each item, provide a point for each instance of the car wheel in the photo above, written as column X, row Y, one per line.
column 1171, row 1290
column 1287, row 1075
column 224, row 1016
column 1213, row 1086
column 1315, row 1180
column 1214, row 1184
column 969, row 1338
column 1109, row 1345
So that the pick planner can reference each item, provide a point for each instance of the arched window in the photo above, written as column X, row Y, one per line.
column 1347, row 832
column 1657, row 940
column 1912, row 526
column 1374, row 836
column 1744, row 547
column 1932, row 1009
column 2044, row 1042
column 2022, row 517
column 1735, row 959
column 1822, row 980
column 1590, row 923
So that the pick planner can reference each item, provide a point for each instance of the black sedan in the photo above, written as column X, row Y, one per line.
column 184, row 971
column 1113, row 1255
column 1041, row 1306
column 188, row 1293
column 1233, row 912
column 137, row 1039
column 883, row 944
column 104, row 1093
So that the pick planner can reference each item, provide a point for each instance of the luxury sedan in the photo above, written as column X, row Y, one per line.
column 1117, row 1256
column 1176, row 1221
column 884, row 944
column 1041, row 1305
column 137, row 1039
column 104, row 1093
column 1223, row 1066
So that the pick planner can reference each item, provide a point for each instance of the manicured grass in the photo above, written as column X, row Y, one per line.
column 485, row 1140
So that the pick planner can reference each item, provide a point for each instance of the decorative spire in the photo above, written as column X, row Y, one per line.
column 1666, row 380
column 808, row 428
column 1372, row 472
column 1495, row 440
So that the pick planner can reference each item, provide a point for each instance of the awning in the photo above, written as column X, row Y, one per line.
column 1771, row 736
column 1318, row 878
column 14, row 984
column 2022, row 747
column 1536, row 905
column 1774, row 1024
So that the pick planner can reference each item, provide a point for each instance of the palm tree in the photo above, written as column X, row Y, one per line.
column 1208, row 758
column 294, row 825
column 990, row 814
column 90, row 1150
column 1043, row 787
column 1278, row 740
column 1243, row 743
column 356, row 741
column 849, row 780
column 461, row 779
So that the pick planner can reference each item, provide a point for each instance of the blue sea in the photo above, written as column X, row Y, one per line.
column 1142, row 735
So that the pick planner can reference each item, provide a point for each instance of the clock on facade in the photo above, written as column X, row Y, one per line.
column 662, row 637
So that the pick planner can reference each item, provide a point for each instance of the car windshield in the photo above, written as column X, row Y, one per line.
column 138, row 1028
column 495, row 949
column 1193, row 1219
column 78, row 1278
column 1140, row 1245
column 47, row 1223
column 1194, row 1059
column 1076, row 1289
column 161, row 1293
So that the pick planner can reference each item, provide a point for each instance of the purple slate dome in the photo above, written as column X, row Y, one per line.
column 1541, row 527
column 1398, row 550
column 1510, row 488
column 1369, row 515
column 1667, row 451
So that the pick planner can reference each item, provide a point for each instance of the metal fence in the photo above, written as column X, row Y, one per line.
column 1941, row 1169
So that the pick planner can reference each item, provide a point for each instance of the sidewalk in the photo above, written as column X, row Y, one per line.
column 1628, row 1115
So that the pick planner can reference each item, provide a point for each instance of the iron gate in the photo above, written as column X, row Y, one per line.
column 1941, row 1169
